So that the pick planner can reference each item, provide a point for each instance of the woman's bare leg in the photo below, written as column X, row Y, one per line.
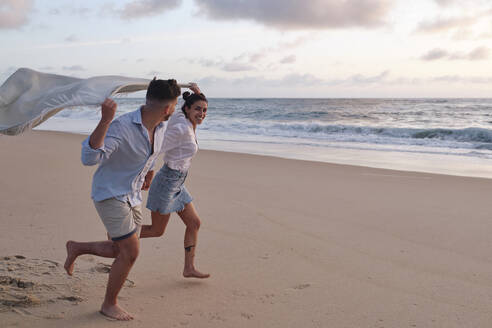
column 159, row 223
column 192, row 222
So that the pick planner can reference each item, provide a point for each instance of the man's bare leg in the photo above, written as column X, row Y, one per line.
column 127, row 255
column 100, row 248
column 192, row 222
column 159, row 223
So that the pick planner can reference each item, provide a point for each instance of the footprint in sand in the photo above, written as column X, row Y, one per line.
column 102, row 268
column 55, row 316
column 74, row 299
column 215, row 317
column 106, row 268
column 17, row 282
column 267, row 298
column 28, row 283
column 301, row 286
column 248, row 316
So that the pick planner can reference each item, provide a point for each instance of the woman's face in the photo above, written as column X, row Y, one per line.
column 197, row 112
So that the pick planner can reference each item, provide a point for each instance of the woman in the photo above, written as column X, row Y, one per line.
column 167, row 192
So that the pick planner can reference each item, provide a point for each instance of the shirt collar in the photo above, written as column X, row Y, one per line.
column 137, row 116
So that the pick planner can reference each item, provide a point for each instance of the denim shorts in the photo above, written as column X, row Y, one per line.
column 167, row 192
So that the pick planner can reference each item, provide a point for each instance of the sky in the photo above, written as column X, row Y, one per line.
column 261, row 48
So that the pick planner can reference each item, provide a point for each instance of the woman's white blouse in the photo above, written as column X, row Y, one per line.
column 180, row 143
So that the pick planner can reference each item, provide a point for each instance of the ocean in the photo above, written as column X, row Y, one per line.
column 448, row 136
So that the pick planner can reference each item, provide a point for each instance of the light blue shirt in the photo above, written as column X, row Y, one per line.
column 124, row 159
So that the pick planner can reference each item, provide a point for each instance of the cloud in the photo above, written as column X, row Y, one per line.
column 486, row 35
column 73, row 68
column 145, row 8
column 80, row 11
column 479, row 53
column 154, row 73
column 443, row 24
column 281, row 47
column 445, row 2
column 309, row 80
column 288, row 59
column 249, row 61
column 78, row 44
column 234, row 65
column 308, row 85
column 447, row 79
column 256, row 57
column 54, row 11
column 237, row 67
column 71, row 10
column 462, row 79
column 435, row 54
column 209, row 62
column 361, row 79
column 300, row 80
column 295, row 80
column 14, row 13
column 295, row 14
column 251, row 82
column 463, row 34
column 72, row 38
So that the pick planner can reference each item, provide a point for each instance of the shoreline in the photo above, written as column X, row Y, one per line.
column 386, row 160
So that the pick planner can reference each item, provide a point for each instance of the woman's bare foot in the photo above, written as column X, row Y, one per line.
column 71, row 256
column 193, row 273
column 115, row 312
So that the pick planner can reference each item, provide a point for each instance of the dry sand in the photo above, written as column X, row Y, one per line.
column 288, row 243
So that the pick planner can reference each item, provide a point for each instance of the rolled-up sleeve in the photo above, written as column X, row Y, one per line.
column 91, row 156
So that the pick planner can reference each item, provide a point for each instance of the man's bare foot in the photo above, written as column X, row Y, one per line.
column 71, row 256
column 115, row 312
column 192, row 273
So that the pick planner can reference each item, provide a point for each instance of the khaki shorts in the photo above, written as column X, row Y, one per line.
column 120, row 219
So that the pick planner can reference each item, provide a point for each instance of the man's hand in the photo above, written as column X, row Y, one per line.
column 108, row 110
column 148, row 180
column 194, row 87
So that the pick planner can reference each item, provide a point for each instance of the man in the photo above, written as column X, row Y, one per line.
column 126, row 150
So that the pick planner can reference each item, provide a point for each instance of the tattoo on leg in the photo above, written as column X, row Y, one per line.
column 188, row 249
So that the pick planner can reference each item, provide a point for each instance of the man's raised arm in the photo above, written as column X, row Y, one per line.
column 108, row 109
column 98, row 146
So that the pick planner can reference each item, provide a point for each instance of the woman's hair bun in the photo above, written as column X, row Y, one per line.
column 186, row 95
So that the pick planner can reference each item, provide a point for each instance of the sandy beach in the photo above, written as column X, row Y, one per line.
column 289, row 243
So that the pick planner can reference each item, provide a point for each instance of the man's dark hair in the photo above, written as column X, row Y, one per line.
column 163, row 90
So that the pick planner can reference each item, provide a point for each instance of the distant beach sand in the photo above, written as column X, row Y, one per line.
column 289, row 243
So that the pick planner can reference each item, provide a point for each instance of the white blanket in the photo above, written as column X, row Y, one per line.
column 28, row 98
